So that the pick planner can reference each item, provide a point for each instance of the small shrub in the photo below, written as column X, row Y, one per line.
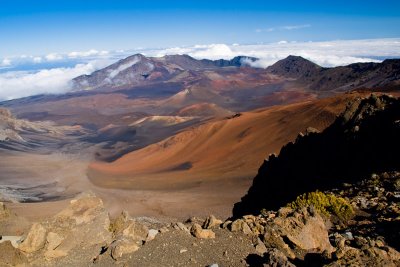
column 327, row 204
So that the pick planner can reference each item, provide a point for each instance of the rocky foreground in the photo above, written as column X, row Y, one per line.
column 83, row 234
column 350, row 216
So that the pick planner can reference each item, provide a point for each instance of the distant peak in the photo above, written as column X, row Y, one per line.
column 293, row 56
column 135, row 56
column 291, row 59
column 293, row 66
column 296, row 58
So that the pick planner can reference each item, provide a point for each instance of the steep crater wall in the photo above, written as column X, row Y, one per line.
column 364, row 139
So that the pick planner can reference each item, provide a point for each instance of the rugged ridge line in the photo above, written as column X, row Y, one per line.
column 368, row 75
column 139, row 69
column 362, row 140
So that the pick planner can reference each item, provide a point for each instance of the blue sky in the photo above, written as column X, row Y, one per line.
column 40, row 27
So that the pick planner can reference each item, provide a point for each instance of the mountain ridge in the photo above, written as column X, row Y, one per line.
column 362, row 140
column 139, row 69
column 342, row 78
column 138, row 87
column 136, row 69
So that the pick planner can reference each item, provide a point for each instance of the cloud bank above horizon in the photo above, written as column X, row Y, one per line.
column 23, row 75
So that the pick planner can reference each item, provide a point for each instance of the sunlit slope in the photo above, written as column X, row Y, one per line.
column 218, row 150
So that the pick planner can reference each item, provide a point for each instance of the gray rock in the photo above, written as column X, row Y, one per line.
column 152, row 234
column 348, row 235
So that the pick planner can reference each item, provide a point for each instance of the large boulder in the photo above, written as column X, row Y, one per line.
column 83, row 209
column 199, row 232
column 241, row 226
column 294, row 233
column 305, row 230
column 127, row 227
column 84, row 224
column 129, row 235
column 35, row 240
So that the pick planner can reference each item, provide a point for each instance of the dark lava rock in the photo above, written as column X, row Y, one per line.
column 363, row 140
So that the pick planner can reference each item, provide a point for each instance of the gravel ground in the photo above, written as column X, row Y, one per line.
column 175, row 248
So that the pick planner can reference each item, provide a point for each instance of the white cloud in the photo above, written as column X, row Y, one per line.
column 327, row 54
column 90, row 53
column 75, row 56
column 54, row 57
column 212, row 51
column 37, row 59
column 5, row 62
column 16, row 84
